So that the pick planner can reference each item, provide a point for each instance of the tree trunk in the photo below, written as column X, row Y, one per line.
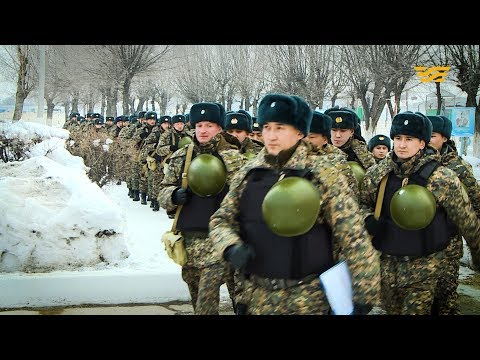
column 333, row 99
column 140, row 104
column 75, row 97
column 19, row 99
column 152, row 103
column 126, row 93
column 103, row 102
column 439, row 98
column 50, row 107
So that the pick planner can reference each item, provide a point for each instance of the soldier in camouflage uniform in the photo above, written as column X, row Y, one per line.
column 141, row 132
column 128, row 148
column 288, row 282
column 256, row 133
column 412, row 260
column 379, row 146
column 343, row 136
column 150, row 136
column 167, row 145
column 239, row 124
column 114, row 131
column 445, row 302
column 319, row 135
column 203, row 272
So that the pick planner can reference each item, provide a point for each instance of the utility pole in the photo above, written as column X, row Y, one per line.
column 41, row 83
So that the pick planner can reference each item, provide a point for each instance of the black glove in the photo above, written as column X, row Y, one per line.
column 361, row 309
column 239, row 255
column 374, row 226
column 181, row 196
column 241, row 309
column 173, row 147
column 143, row 135
column 157, row 157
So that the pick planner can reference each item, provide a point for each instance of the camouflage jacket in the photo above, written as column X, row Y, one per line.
column 360, row 149
column 442, row 183
column 163, row 147
column 464, row 171
column 339, row 210
column 150, row 142
column 338, row 157
column 251, row 146
column 199, row 253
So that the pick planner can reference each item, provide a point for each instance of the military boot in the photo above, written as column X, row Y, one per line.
column 144, row 198
column 152, row 202
column 135, row 195
column 156, row 206
column 130, row 193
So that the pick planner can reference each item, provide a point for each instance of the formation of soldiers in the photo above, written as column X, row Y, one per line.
column 228, row 241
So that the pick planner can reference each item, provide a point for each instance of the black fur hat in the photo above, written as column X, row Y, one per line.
column 178, row 118
column 321, row 124
column 413, row 124
column 343, row 118
column 379, row 140
column 255, row 125
column 164, row 119
column 239, row 121
column 151, row 115
column 286, row 109
column 207, row 111
column 441, row 124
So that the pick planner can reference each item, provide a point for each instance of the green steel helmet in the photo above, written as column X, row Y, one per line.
column 184, row 141
column 291, row 206
column 206, row 175
column 358, row 171
column 413, row 207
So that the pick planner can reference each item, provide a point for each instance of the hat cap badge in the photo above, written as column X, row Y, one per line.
column 338, row 119
column 202, row 112
column 272, row 104
column 381, row 138
column 234, row 121
column 405, row 122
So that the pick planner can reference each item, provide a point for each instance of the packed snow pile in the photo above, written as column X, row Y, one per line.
column 52, row 217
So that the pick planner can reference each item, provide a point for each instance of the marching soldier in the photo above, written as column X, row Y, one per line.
column 379, row 146
column 412, row 255
column 445, row 301
column 203, row 272
column 281, row 272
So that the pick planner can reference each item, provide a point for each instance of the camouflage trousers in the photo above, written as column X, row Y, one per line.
column 204, row 287
column 408, row 285
column 446, row 296
column 203, row 273
column 157, row 177
column 143, row 178
column 135, row 175
column 305, row 299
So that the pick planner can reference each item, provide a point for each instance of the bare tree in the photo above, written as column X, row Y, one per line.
column 466, row 60
column 22, row 61
column 338, row 76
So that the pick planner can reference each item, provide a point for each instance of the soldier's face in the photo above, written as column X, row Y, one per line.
column 165, row 125
column 380, row 151
column 340, row 136
column 437, row 140
column 279, row 136
column 256, row 135
column 206, row 130
column 179, row 126
column 317, row 139
column 406, row 146
column 239, row 134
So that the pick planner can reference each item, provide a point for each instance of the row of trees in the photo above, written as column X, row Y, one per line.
column 144, row 76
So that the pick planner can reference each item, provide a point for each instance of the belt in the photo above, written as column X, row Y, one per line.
column 194, row 234
column 277, row 284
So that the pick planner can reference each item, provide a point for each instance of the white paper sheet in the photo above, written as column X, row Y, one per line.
column 337, row 284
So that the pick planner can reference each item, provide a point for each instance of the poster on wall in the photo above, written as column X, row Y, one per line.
column 463, row 121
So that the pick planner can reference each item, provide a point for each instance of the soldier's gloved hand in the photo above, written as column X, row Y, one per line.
column 361, row 309
column 173, row 147
column 143, row 135
column 181, row 196
column 239, row 255
column 157, row 157
column 374, row 226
